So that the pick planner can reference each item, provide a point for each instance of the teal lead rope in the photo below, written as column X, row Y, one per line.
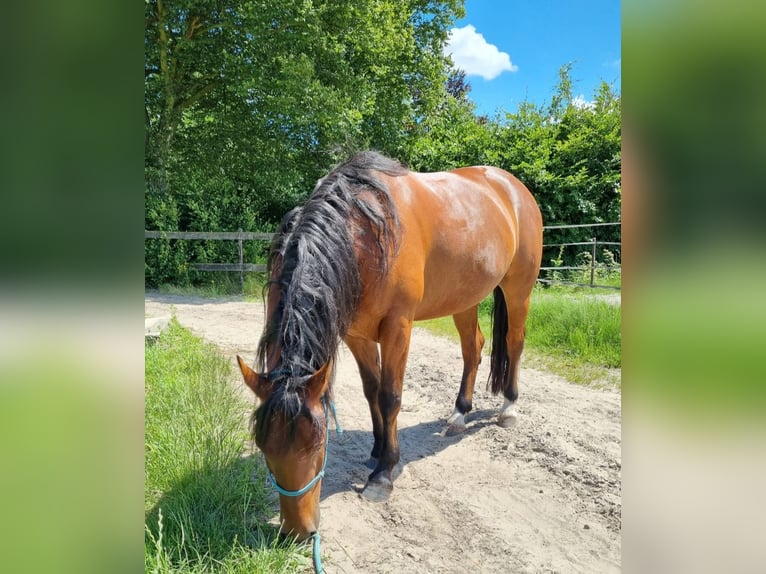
column 317, row 555
column 338, row 430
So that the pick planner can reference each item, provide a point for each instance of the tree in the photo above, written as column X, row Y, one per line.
column 248, row 103
column 452, row 136
column 457, row 87
column 569, row 155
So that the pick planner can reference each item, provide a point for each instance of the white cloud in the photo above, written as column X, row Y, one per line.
column 581, row 103
column 471, row 53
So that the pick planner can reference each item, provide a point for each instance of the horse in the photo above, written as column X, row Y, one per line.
column 374, row 248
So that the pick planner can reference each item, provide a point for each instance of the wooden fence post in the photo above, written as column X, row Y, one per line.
column 241, row 265
column 593, row 262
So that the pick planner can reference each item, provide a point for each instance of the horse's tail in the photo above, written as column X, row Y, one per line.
column 500, row 366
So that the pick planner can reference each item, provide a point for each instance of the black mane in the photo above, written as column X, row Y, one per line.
column 313, row 262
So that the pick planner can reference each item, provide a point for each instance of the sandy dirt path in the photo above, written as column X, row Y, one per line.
column 543, row 496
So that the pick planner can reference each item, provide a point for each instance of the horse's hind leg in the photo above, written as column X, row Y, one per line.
column 471, row 345
column 368, row 360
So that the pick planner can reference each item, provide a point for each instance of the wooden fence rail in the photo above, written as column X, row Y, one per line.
column 238, row 236
column 214, row 235
column 593, row 243
column 242, row 267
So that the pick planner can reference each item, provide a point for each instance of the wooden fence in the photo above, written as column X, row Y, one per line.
column 238, row 236
column 593, row 243
column 242, row 267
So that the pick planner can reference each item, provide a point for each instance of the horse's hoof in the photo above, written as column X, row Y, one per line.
column 378, row 491
column 454, row 430
column 371, row 463
column 456, row 416
column 507, row 421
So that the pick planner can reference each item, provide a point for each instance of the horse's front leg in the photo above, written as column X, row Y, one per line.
column 368, row 360
column 394, row 346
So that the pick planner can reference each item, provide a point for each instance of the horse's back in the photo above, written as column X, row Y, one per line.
column 461, row 232
column 467, row 208
column 518, row 203
column 506, row 187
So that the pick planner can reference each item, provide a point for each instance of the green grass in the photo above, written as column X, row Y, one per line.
column 205, row 506
column 575, row 335
column 221, row 285
column 570, row 332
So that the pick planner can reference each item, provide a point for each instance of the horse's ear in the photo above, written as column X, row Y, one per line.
column 317, row 385
column 257, row 383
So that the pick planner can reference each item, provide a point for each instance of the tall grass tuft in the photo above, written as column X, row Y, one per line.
column 222, row 284
column 574, row 331
column 203, row 499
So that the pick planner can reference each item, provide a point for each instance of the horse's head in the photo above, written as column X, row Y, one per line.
column 292, row 437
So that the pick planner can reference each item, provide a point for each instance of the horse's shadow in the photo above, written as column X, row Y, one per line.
column 349, row 463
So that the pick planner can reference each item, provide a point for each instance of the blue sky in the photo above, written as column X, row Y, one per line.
column 525, row 42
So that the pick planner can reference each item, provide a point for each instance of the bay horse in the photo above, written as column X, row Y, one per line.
column 374, row 248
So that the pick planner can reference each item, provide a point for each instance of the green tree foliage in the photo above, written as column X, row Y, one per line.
column 567, row 152
column 451, row 137
column 248, row 103
column 569, row 155
column 577, row 175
